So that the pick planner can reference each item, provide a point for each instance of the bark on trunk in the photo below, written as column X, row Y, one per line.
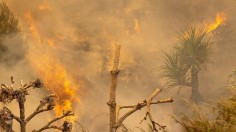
column 195, row 96
column 21, row 102
column 112, row 102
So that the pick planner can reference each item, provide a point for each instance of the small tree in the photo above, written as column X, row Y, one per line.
column 182, row 66
column 9, row 93
column 8, row 23
column 115, row 120
column 9, row 28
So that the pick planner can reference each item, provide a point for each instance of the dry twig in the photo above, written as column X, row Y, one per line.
column 66, row 127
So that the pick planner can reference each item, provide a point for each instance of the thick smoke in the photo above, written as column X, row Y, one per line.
column 81, row 34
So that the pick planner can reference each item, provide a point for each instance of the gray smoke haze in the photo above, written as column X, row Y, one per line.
column 80, row 35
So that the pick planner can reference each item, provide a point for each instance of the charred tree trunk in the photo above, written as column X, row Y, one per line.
column 112, row 101
column 195, row 96
column 21, row 102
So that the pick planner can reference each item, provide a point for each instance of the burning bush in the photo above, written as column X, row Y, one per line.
column 8, row 94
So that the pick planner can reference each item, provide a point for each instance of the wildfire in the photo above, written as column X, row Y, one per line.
column 220, row 19
column 32, row 26
column 57, row 81
column 49, row 68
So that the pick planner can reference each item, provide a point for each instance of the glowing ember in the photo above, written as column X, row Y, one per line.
column 48, row 67
column 220, row 19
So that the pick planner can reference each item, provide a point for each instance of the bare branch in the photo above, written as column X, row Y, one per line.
column 14, row 116
column 148, row 111
column 139, row 106
column 153, row 95
column 115, row 121
column 143, row 104
column 35, row 84
column 53, row 127
column 48, row 102
column 6, row 120
column 7, row 94
column 48, row 126
column 160, row 126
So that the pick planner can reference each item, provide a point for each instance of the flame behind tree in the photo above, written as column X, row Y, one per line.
column 220, row 19
column 49, row 68
column 9, row 93
column 55, row 78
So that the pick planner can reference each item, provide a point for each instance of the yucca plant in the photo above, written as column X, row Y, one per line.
column 174, row 72
column 190, row 56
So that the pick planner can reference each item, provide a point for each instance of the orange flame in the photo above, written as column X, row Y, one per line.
column 32, row 26
column 52, row 72
column 220, row 19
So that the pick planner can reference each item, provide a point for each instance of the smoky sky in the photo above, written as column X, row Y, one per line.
column 84, row 33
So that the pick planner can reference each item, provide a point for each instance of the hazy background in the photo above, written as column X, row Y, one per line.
column 79, row 35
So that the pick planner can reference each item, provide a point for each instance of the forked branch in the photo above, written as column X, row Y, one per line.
column 46, row 104
column 115, row 121
column 66, row 125
column 139, row 106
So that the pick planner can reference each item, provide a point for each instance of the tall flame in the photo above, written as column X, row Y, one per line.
column 52, row 72
column 220, row 19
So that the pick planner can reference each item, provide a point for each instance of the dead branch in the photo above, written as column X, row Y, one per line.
column 115, row 121
column 148, row 111
column 14, row 116
column 34, row 84
column 161, row 127
column 112, row 101
column 153, row 102
column 139, row 106
column 47, row 102
column 63, row 128
column 6, row 120
column 142, row 104
column 7, row 94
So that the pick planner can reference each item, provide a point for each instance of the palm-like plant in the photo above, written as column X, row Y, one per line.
column 174, row 72
column 190, row 56
column 194, row 48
